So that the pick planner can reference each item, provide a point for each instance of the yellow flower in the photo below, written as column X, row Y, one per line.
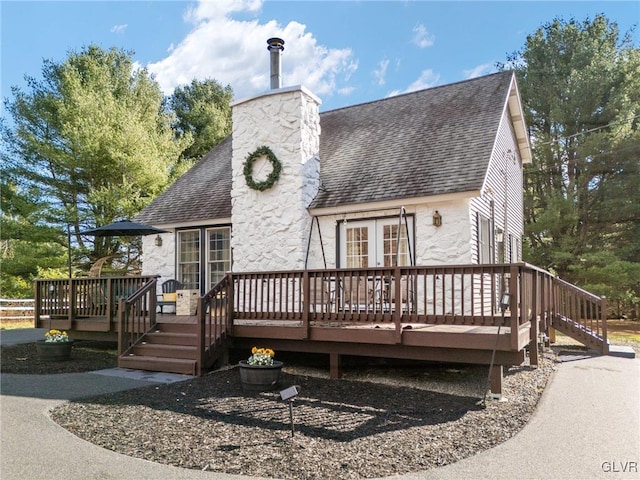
column 261, row 356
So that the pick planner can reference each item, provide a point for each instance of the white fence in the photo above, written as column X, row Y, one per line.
column 17, row 309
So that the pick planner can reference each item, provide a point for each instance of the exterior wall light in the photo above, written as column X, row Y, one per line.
column 158, row 241
column 505, row 301
column 437, row 219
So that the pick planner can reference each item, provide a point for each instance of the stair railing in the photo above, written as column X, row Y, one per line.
column 582, row 314
column 214, row 318
column 136, row 316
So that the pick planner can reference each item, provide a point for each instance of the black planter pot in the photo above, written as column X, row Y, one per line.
column 259, row 378
column 54, row 351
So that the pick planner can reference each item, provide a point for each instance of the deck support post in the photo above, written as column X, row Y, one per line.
column 335, row 365
column 397, row 307
column 552, row 335
column 496, row 381
column 534, row 352
column 603, row 322
column 223, row 359
column 535, row 322
column 306, row 303
column 516, row 313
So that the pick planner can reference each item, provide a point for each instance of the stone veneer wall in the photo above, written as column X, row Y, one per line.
column 159, row 260
column 448, row 244
column 270, row 228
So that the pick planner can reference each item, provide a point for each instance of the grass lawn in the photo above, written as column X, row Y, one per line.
column 12, row 324
column 623, row 331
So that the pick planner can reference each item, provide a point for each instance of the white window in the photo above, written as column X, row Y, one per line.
column 374, row 243
column 189, row 259
column 485, row 240
column 215, row 255
column 218, row 254
column 357, row 246
column 514, row 248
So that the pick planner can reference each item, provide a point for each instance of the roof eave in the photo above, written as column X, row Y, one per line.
column 391, row 204
column 516, row 112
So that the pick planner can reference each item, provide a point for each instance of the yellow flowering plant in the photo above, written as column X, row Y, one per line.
column 56, row 336
column 261, row 356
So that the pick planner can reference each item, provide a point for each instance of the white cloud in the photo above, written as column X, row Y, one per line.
column 421, row 37
column 346, row 90
column 117, row 29
column 219, row 9
column 478, row 71
column 235, row 52
column 136, row 66
column 381, row 72
column 427, row 79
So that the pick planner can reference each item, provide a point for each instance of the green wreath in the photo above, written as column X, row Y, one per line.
column 273, row 176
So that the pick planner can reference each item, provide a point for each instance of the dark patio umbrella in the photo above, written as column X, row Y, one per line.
column 123, row 228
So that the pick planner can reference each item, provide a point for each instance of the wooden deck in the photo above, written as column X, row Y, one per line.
column 451, row 314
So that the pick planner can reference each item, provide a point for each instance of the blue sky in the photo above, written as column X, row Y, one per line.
column 346, row 52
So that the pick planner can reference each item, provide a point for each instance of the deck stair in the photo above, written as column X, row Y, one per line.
column 581, row 333
column 170, row 347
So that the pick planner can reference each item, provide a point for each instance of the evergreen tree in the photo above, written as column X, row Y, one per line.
column 580, row 84
column 202, row 109
column 93, row 139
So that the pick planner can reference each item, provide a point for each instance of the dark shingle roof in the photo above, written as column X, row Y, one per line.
column 430, row 142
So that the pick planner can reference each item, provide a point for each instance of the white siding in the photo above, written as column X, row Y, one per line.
column 503, row 185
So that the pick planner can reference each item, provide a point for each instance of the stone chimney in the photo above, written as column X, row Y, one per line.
column 270, row 227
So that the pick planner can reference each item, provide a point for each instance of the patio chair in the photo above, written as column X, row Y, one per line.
column 355, row 296
column 96, row 269
column 406, row 301
column 321, row 294
column 168, row 297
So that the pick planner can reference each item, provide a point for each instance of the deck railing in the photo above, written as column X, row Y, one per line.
column 465, row 295
column 578, row 312
column 136, row 316
column 214, row 317
column 448, row 295
column 88, row 298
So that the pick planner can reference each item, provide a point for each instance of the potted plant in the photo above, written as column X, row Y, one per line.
column 260, row 372
column 55, row 347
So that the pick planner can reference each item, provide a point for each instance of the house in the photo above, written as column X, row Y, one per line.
column 450, row 157
column 391, row 228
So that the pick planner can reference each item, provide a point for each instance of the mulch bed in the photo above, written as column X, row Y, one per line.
column 86, row 356
column 379, row 420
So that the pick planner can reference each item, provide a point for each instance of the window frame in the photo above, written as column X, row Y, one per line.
column 203, row 266
column 180, row 273
column 226, row 262
column 375, row 242
column 486, row 240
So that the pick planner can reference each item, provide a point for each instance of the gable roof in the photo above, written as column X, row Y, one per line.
column 431, row 142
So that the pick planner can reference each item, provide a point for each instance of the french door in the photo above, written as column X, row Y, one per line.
column 376, row 243
column 203, row 254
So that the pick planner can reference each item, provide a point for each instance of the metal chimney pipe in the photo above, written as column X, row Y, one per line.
column 276, row 46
